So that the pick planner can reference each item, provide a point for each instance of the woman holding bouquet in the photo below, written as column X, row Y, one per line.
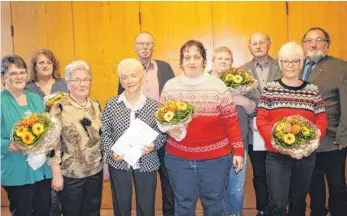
column 45, row 80
column 77, row 163
column 222, row 60
column 199, row 165
column 27, row 190
column 289, row 178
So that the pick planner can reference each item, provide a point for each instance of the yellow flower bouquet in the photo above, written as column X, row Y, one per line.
column 237, row 80
column 295, row 136
column 175, row 115
column 49, row 100
column 35, row 135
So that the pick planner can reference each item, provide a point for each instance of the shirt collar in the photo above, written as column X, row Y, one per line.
column 257, row 64
column 139, row 105
column 150, row 65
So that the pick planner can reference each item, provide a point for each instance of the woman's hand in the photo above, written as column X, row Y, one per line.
column 146, row 149
column 12, row 147
column 105, row 172
column 117, row 157
column 237, row 163
column 57, row 182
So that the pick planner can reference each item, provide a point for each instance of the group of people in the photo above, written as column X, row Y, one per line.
column 210, row 162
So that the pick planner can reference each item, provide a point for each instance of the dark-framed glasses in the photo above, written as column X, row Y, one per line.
column 287, row 62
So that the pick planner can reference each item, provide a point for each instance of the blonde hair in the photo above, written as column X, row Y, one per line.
column 220, row 50
column 290, row 48
column 130, row 63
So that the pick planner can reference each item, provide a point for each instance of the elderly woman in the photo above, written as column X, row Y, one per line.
column 45, row 80
column 45, row 77
column 199, row 165
column 77, row 163
column 119, row 114
column 289, row 178
column 222, row 60
column 27, row 190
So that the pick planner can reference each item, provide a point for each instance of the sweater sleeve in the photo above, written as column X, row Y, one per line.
column 106, row 137
column 230, row 120
column 55, row 158
column 264, row 119
column 320, row 118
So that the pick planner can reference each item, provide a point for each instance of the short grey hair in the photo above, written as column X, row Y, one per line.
column 290, row 48
column 130, row 63
column 220, row 50
column 76, row 65
column 267, row 37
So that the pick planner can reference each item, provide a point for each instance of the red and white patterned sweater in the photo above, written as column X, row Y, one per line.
column 214, row 131
column 279, row 100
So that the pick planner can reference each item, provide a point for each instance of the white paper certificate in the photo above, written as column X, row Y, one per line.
column 134, row 138
column 258, row 141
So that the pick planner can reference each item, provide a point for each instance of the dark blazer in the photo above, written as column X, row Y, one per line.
column 274, row 74
column 330, row 75
column 165, row 73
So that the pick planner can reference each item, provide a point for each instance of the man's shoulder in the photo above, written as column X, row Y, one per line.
column 161, row 63
column 338, row 65
column 247, row 64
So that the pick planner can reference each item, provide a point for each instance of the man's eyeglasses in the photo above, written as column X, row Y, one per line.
column 16, row 74
column 80, row 81
column 317, row 40
column 287, row 63
column 142, row 44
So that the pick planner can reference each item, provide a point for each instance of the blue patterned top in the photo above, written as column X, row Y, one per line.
column 58, row 86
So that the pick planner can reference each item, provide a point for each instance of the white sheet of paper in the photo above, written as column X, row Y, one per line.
column 134, row 138
column 258, row 141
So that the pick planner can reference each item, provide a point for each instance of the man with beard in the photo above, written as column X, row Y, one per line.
column 265, row 69
column 157, row 73
column 330, row 75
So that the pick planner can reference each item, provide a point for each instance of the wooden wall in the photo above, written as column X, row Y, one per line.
column 102, row 33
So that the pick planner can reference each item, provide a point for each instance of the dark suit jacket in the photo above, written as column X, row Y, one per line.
column 165, row 73
column 330, row 75
column 274, row 74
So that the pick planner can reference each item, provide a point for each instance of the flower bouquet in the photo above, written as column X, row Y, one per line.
column 239, row 81
column 49, row 100
column 35, row 135
column 295, row 136
column 175, row 115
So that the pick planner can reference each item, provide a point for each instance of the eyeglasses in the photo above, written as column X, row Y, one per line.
column 142, row 44
column 81, row 81
column 287, row 63
column 317, row 40
column 188, row 58
column 41, row 63
column 16, row 74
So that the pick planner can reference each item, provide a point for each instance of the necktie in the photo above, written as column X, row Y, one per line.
column 309, row 70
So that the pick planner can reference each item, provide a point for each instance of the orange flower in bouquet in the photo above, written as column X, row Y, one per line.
column 174, row 115
column 238, row 80
column 34, row 135
column 295, row 136
column 49, row 100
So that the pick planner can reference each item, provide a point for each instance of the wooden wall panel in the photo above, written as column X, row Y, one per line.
column 235, row 22
column 6, row 38
column 331, row 16
column 174, row 23
column 40, row 25
column 104, row 35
